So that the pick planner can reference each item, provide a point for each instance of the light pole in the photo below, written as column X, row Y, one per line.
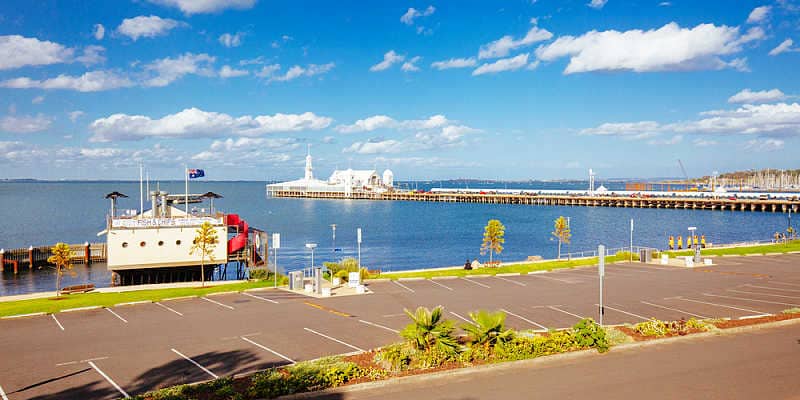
column 631, row 260
column 692, row 230
column 315, row 272
column 311, row 246
column 333, row 228
column 276, row 244
column 358, row 237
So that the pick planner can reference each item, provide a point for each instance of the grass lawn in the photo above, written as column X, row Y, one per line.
column 109, row 299
column 743, row 250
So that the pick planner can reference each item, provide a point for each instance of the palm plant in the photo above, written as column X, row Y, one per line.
column 488, row 328
column 430, row 331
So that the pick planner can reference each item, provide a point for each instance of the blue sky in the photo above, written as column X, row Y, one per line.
column 512, row 90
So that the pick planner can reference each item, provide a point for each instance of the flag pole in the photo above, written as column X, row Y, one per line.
column 141, row 194
column 186, row 192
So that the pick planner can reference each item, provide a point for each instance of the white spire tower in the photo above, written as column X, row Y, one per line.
column 591, row 181
column 309, row 168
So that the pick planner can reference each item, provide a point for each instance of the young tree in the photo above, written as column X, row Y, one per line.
column 205, row 242
column 62, row 259
column 493, row 238
column 562, row 232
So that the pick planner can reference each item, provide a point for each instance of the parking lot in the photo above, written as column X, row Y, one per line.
column 130, row 349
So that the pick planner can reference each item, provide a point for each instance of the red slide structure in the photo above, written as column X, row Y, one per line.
column 239, row 241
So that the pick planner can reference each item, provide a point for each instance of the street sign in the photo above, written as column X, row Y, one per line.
column 276, row 240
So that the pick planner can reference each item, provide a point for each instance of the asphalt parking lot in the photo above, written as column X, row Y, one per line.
column 130, row 349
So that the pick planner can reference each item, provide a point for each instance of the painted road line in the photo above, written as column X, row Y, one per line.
column 784, row 283
column 720, row 305
column 36, row 314
column 509, row 280
column 461, row 318
column 675, row 309
column 57, row 322
column 764, row 294
column 3, row 394
column 117, row 315
column 523, row 318
column 624, row 312
column 268, row 349
column 755, row 300
column 107, row 378
column 168, row 308
column 565, row 312
column 393, row 315
column 335, row 340
column 260, row 298
column 330, row 310
column 755, row 316
column 179, row 298
column 217, row 303
column 81, row 361
column 213, row 375
column 379, row 326
column 771, row 288
column 553, row 279
column 439, row 284
column 403, row 286
column 477, row 283
column 133, row 303
column 80, row 309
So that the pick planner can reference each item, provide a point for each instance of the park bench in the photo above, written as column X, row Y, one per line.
column 77, row 289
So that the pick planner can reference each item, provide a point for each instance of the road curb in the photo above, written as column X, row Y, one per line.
column 221, row 293
column 36, row 314
column 131, row 303
column 378, row 280
column 81, row 309
column 443, row 277
column 538, row 272
column 509, row 274
column 410, row 279
column 180, row 298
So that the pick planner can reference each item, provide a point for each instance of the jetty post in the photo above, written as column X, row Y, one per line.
column 30, row 257
column 2, row 260
column 87, row 253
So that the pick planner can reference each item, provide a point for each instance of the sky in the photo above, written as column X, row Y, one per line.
column 513, row 90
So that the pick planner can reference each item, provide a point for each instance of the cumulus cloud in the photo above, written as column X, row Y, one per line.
column 383, row 122
column 677, row 139
column 99, row 31
column 296, row 71
column 669, row 48
column 503, row 64
column 434, row 132
column 410, row 65
column 758, row 15
column 268, row 70
column 193, row 122
column 92, row 55
column 413, row 13
column 764, row 145
column 74, row 115
column 389, row 59
column 93, row 81
column 227, row 72
column 597, row 4
column 763, row 96
column 147, row 26
column 37, row 100
column 24, row 123
column 785, row 46
column 167, row 70
column 503, row 46
column 247, row 149
column 19, row 152
column 454, row 63
column 205, row 6
column 231, row 40
column 19, row 51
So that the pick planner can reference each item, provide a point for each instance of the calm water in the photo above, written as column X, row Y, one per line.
column 396, row 235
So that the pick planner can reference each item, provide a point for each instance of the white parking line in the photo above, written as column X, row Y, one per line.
column 217, row 303
column 461, row 318
column 335, row 340
column 523, row 318
column 784, row 283
column 439, row 284
column 755, row 300
column 379, row 326
column 719, row 305
column 56, row 319
column 81, row 361
column 268, row 349
column 772, row 288
column 553, row 279
column 624, row 312
column 260, row 298
column 477, row 283
column 3, row 394
column 168, row 308
column 509, row 280
column 675, row 309
column 117, row 315
column 764, row 294
column 213, row 375
column 103, row 374
column 403, row 286
column 565, row 312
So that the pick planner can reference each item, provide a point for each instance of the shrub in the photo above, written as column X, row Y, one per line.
column 694, row 323
column 626, row 255
column 396, row 357
column 259, row 274
column 429, row 331
column 487, row 328
column 652, row 327
column 303, row 377
column 589, row 334
column 342, row 274
column 616, row 337
column 794, row 310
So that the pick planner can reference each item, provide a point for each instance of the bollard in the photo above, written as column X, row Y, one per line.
column 30, row 257
column 2, row 260
column 86, row 253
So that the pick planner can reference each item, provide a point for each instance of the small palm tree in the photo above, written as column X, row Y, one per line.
column 205, row 242
column 62, row 259
column 488, row 328
column 561, row 232
column 493, row 238
column 429, row 330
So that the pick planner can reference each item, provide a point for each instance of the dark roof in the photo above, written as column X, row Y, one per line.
column 211, row 195
column 115, row 195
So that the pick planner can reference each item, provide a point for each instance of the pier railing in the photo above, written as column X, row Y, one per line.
column 36, row 256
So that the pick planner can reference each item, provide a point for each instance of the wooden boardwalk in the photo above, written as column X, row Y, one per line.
column 34, row 256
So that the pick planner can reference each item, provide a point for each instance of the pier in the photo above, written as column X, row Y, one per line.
column 35, row 256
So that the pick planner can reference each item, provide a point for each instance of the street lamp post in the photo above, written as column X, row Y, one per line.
column 358, row 237
column 317, row 275
column 311, row 246
column 692, row 230
column 333, row 228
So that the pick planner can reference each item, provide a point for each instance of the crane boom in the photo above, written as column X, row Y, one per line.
column 685, row 175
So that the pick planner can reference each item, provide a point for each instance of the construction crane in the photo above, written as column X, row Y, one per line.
column 685, row 175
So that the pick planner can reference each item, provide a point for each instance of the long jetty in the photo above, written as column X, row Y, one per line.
column 677, row 202
column 35, row 256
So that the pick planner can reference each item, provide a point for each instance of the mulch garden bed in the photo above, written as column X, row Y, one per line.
column 734, row 323
column 638, row 337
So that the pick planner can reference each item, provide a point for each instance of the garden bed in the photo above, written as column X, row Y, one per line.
column 735, row 323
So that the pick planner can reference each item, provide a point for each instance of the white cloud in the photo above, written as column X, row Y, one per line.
column 503, row 64
column 296, row 71
column 167, row 70
column 253, row 61
column 758, row 15
column 454, row 63
column 74, row 115
column 503, row 46
column 677, row 139
column 701, row 142
column 377, row 147
column 24, row 123
column 784, row 47
column 635, row 129
column 436, row 162
column 764, row 145
column 434, row 132
column 92, row 55
column 412, row 13
column 193, row 122
column 268, row 71
column 669, row 48
column 597, row 4
column 37, row 100
column 762, row 96
column 409, row 66
column 664, row 4
column 19, row 152
column 92, row 81
column 227, row 72
column 149, row 27
column 99, row 31
column 18, row 51
column 389, row 59
column 234, row 40
column 368, row 124
column 206, row 6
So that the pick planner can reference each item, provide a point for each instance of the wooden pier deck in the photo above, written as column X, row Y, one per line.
column 35, row 256
column 677, row 203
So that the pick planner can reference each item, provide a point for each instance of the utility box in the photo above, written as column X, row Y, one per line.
column 646, row 255
column 295, row 280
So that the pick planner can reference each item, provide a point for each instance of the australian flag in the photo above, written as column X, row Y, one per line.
column 196, row 173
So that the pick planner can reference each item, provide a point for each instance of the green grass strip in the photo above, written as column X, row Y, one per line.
column 743, row 250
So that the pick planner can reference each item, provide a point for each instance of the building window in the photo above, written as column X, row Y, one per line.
column 177, row 243
column 124, row 245
column 160, row 242
column 142, row 244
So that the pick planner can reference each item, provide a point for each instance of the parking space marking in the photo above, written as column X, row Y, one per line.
column 784, row 283
column 772, row 288
column 58, row 323
column 213, row 375
column 107, row 378
column 81, row 361
column 268, row 349
column 3, row 394
column 117, row 315
column 217, row 303
column 553, row 279
column 624, row 312
column 439, row 284
column 379, row 326
column 675, row 309
column 755, row 300
column 565, row 312
column 403, row 286
column 168, row 308
column 330, row 310
column 720, row 305
column 523, row 318
column 764, row 294
column 509, row 280
column 335, row 340
column 393, row 315
column 260, row 298
column 477, row 283
column 461, row 318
